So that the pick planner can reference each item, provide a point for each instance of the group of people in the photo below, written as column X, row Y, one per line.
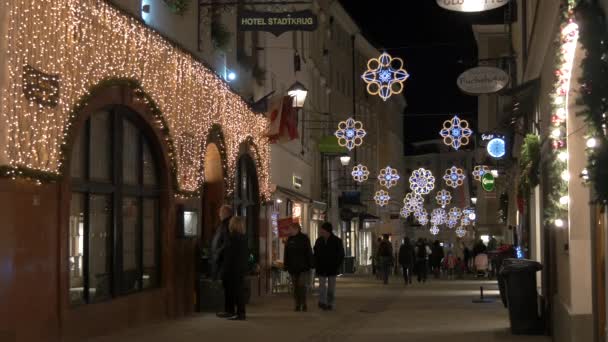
column 230, row 263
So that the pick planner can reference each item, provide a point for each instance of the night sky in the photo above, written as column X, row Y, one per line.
column 437, row 46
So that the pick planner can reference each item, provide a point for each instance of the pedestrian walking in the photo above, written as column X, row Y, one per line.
column 236, row 259
column 298, row 261
column 385, row 254
column 435, row 259
column 450, row 264
column 467, row 259
column 219, row 243
column 328, row 256
column 422, row 253
column 407, row 259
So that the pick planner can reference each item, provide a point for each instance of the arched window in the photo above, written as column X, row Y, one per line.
column 114, row 245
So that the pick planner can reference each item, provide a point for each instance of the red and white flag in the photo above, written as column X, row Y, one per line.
column 283, row 120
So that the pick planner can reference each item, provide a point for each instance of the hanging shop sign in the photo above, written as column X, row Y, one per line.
column 471, row 5
column 483, row 80
column 497, row 147
column 277, row 23
column 488, row 182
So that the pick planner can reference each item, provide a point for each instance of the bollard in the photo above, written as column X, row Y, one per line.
column 482, row 299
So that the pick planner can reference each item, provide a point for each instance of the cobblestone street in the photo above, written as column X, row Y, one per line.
column 367, row 311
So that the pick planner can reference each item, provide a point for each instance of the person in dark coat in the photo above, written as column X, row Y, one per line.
column 385, row 253
column 236, row 264
column 437, row 255
column 467, row 258
column 422, row 252
column 407, row 258
column 219, row 243
column 298, row 262
column 329, row 255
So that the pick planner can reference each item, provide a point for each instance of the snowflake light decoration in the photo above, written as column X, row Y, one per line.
column 456, row 132
column 382, row 198
column 465, row 221
column 469, row 214
column 454, row 177
column 434, row 230
column 455, row 213
column 461, row 232
column 422, row 216
column 422, row 181
column 385, row 76
column 388, row 177
column 479, row 171
column 350, row 133
column 452, row 222
column 413, row 202
column 405, row 213
column 438, row 217
column 443, row 198
column 360, row 173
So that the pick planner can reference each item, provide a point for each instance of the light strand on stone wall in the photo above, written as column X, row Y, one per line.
column 82, row 43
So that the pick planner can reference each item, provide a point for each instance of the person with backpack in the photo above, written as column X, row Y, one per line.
column 407, row 259
column 422, row 253
column 385, row 254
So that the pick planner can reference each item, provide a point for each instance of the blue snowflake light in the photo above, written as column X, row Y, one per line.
column 451, row 223
column 405, row 213
column 382, row 198
column 454, row 177
column 388, row 177
column 438, row 217
column 479, row 171
column 434, row 230
column 470, row 214
column 413, row 202
column 443, row 198
column 461, row 232
column 422, row 216
column 350, row 133
column 455, row 213
column 360, row 173
column 456, row 132
column 385, row 76
column 422, row 181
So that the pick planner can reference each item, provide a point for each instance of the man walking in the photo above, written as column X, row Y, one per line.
column 329, row 255
column 385, row 252
column 298, row 262
column 219, row 243
column 406, row 259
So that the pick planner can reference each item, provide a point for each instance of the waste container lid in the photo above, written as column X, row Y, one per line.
column 520, row 265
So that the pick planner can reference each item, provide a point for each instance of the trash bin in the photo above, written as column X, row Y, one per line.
column 502, row 286
column 522, row 298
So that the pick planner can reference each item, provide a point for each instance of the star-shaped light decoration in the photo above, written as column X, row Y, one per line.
column 413, row 202
column 405, row 213
column 422, row 217
column 382, row 198
column 454, row 177
column 479, row 171
column 385, row 76
column 456, row 132
column 465, row 221
column 388, row 177
column 443, row 198
column 438, row 217
column 455, row 213
column 461, row 232
column 434, row 230
column 350, row 133
column 451, row 222
column 360, row 173
column 422, row 181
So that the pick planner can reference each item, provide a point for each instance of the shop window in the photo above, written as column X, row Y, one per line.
column 114, row 233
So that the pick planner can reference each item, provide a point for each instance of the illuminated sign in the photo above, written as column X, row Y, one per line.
column 471, row 5
column 277, row 23
column 497, row 148
column 488, row 182
column 483, row 80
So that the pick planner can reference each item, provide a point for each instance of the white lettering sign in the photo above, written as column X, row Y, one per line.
column 483, row 80
column 471, row 5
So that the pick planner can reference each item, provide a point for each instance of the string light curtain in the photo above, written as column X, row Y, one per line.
column 84, row 42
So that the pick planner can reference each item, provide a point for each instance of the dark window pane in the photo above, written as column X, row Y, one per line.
column 150, row 253
column 100, row 160
column 78, row 156
column 130, row 243
column 150, row 177
column 130, row 153
column 100, row 225
column 76, row 246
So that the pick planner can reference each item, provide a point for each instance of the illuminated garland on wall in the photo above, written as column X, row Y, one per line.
column 81, row 43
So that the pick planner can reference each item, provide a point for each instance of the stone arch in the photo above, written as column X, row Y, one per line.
column 214, row 186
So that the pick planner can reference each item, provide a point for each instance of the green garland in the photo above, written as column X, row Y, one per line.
column 529, row 162
column 594, row 91
column 178, row 7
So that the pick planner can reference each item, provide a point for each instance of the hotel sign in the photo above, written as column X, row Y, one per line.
column 277, row 23
column 471, row 5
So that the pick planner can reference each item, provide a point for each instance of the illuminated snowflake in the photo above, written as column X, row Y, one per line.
column 405, row 213
column 479, row 171
column 422, row 181
column 382, row 198
column 465, row 221
column 385, row 76
column 388, row 177
column 456, row 132
column 452, row 222
column 360, row 173
column 434, row 230
column 455, row 213
column 461, row 232
column 438, row 217
column 413, row 202
column 422, row 217
column 443, row 198
column 454, row 177
column 350, row 133
column 470, row 214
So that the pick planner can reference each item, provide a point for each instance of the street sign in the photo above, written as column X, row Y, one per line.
column 277, row 23
column 488, row 182
column 471, row 5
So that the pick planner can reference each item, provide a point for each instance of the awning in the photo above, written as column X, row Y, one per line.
column 329, row 144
